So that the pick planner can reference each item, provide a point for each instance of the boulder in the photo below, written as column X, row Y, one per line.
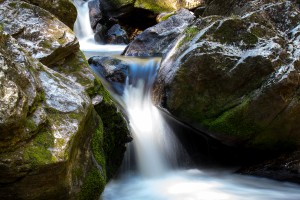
column 114, row 70
column 100, row 34
column 46, row 40
column 119, row 7
column 159, row 39
column 236, row 78
column 95, row 13
column 116, row 35
column 53, row 141
column 64, row 10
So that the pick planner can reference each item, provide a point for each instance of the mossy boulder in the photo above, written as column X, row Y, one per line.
column 41, row 33
column 236, row 77
column 64, row 10
column 156, row 6
column 53, row 140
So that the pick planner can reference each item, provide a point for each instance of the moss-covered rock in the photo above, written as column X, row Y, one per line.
column 41, row 33
column 64, row 10
column 236, row 77
column 156, row 6
column 53, row 142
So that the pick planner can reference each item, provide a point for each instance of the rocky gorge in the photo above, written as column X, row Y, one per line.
column 229, row 70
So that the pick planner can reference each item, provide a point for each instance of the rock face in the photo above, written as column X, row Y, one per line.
column 53, row 143
column 114, row 70
column 64, row 10
column 116, row 35
column 159, row 39
column 237, row 77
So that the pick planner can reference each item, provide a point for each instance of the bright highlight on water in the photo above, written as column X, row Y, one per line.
column 157, row 149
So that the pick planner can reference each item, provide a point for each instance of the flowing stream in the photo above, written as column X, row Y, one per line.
column 158, row 153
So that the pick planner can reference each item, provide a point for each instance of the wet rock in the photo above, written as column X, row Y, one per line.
column 236, row 78
column 115, row 71
column 156, row 6
column 116, row 35
column 64, row 10
column 46, row 40
column 157, row 40
column 283, row 168
column 100, row 34
column 95, row 13
column 51, row 135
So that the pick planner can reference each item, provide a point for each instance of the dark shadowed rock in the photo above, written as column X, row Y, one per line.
column 95, row 13
column 157, row 40
column 100, row 33
column 283, row 168
column 116, row 35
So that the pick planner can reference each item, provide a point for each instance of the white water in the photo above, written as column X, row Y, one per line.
column 156, row 149
column 85, row 34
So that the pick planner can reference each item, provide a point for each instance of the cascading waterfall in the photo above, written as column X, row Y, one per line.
column 85, row 33
column 157, row 149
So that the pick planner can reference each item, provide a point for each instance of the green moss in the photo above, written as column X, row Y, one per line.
column 115, row 133
column 93, row 186
column 13, row 4
column 30, row 125
column 234, row 122
column 157, row 6
column 25, row 5
column 166, row 16
column 98, row 88
column 37, row 152
column 190, row 33
column 97, row 143
column 40, row 98
column 234, row 30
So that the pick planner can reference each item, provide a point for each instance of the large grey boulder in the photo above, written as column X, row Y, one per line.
column 64, row 10
column 52, row 139
column 46, row 40
column 159, row 39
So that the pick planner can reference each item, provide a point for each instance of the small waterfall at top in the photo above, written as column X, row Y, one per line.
column 82, row 26
column 85, row 34
column 156, row 148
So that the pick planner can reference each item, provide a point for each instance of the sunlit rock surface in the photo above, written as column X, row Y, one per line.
column 236, row 77
column 51, row 134
column 43, row 35
column 156, row 6
column 64, row 10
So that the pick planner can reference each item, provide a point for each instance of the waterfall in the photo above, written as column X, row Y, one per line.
column 85, row 34
column 154, row 143
column 157, row 149
column 82, row 26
